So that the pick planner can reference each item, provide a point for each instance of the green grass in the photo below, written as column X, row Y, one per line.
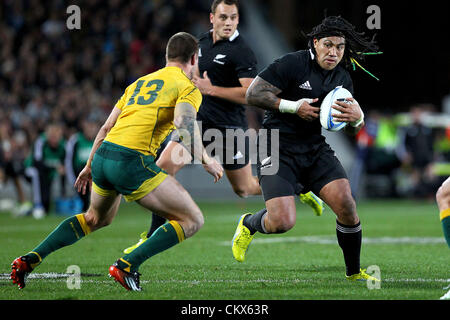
column 296, row 267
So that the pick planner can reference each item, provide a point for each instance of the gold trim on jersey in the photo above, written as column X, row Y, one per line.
column 146, row 187
column 102, row 192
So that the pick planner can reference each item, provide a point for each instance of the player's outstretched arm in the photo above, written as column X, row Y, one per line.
column 84, row 178
column 186, row 123
column 233, row 94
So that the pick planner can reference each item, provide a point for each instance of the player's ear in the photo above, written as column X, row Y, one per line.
column 211, row 17
column 315, row 42
column 194, row 59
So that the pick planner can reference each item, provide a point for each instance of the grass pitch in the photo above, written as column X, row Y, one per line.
column 403, row 239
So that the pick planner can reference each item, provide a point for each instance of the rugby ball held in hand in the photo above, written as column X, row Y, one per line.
column 326, row 110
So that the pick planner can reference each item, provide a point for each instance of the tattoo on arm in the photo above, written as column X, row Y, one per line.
column 187, row 126
column 263, row 94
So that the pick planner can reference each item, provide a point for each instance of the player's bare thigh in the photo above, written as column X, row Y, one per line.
column 102, row 210
column 171, row 201
column 443, row 195
column 338, row 196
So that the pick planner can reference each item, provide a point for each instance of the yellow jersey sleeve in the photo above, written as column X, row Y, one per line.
column 192, row 95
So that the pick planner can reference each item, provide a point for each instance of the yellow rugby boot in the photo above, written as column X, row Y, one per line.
column 361, row 276
column 241, row 239
column 313, row 201
column 143, row 237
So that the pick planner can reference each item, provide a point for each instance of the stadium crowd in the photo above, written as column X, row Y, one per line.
column 50, row 75
column 403, row 154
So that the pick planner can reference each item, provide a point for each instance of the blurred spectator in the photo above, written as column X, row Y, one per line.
column 45, row 162
column 384, row 156
column 439, row 170
column 407, row 155
column 12, row 154
column 78, row 148
column 441, row 146
column 418, row 143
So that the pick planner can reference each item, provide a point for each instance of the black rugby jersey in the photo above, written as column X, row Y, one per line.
column 299, row 76
column 225, row 61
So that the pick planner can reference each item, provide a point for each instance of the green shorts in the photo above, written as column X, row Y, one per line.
column 117, row 169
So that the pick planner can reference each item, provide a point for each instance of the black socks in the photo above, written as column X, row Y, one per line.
column 349, row 239
column 255, row 222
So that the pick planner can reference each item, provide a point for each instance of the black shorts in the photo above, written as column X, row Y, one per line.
column 299, row 172
column 231, row 146
column 13, row 168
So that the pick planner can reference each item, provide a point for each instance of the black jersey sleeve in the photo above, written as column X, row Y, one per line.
column 283, row 70
column 246, row 63
column 348, row 83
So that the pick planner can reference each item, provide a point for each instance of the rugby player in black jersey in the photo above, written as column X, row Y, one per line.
column 290, row 90
column 226, row 68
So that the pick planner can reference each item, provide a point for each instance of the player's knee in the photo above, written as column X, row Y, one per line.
column 95, row 221
column 345, row 209
column 442, row 195
column 241, row 192
column 245, row 190
column 194, row 223
column 281, row 222
column 199, row 221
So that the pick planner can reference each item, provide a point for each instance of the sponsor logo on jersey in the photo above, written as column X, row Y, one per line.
column 306, row 86
column 218, row 57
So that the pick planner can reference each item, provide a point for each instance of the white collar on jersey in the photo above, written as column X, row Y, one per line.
column 312, row 54
column 234, row 36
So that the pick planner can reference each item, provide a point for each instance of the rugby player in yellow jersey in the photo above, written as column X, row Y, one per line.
column 122, row 163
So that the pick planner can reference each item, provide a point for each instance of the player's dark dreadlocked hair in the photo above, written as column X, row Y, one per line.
column 356, row 47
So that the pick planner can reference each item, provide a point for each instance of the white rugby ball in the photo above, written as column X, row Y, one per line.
column 326, row 110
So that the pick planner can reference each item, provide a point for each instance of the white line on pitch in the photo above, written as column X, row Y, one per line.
column 61, row 277
column 332, row 240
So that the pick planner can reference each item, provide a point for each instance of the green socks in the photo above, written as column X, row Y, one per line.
column 445, row 220
column 68, row 232
column 74, row 228
column 166, row 236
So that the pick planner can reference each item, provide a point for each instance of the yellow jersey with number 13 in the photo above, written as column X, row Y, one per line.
column 148, row 107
